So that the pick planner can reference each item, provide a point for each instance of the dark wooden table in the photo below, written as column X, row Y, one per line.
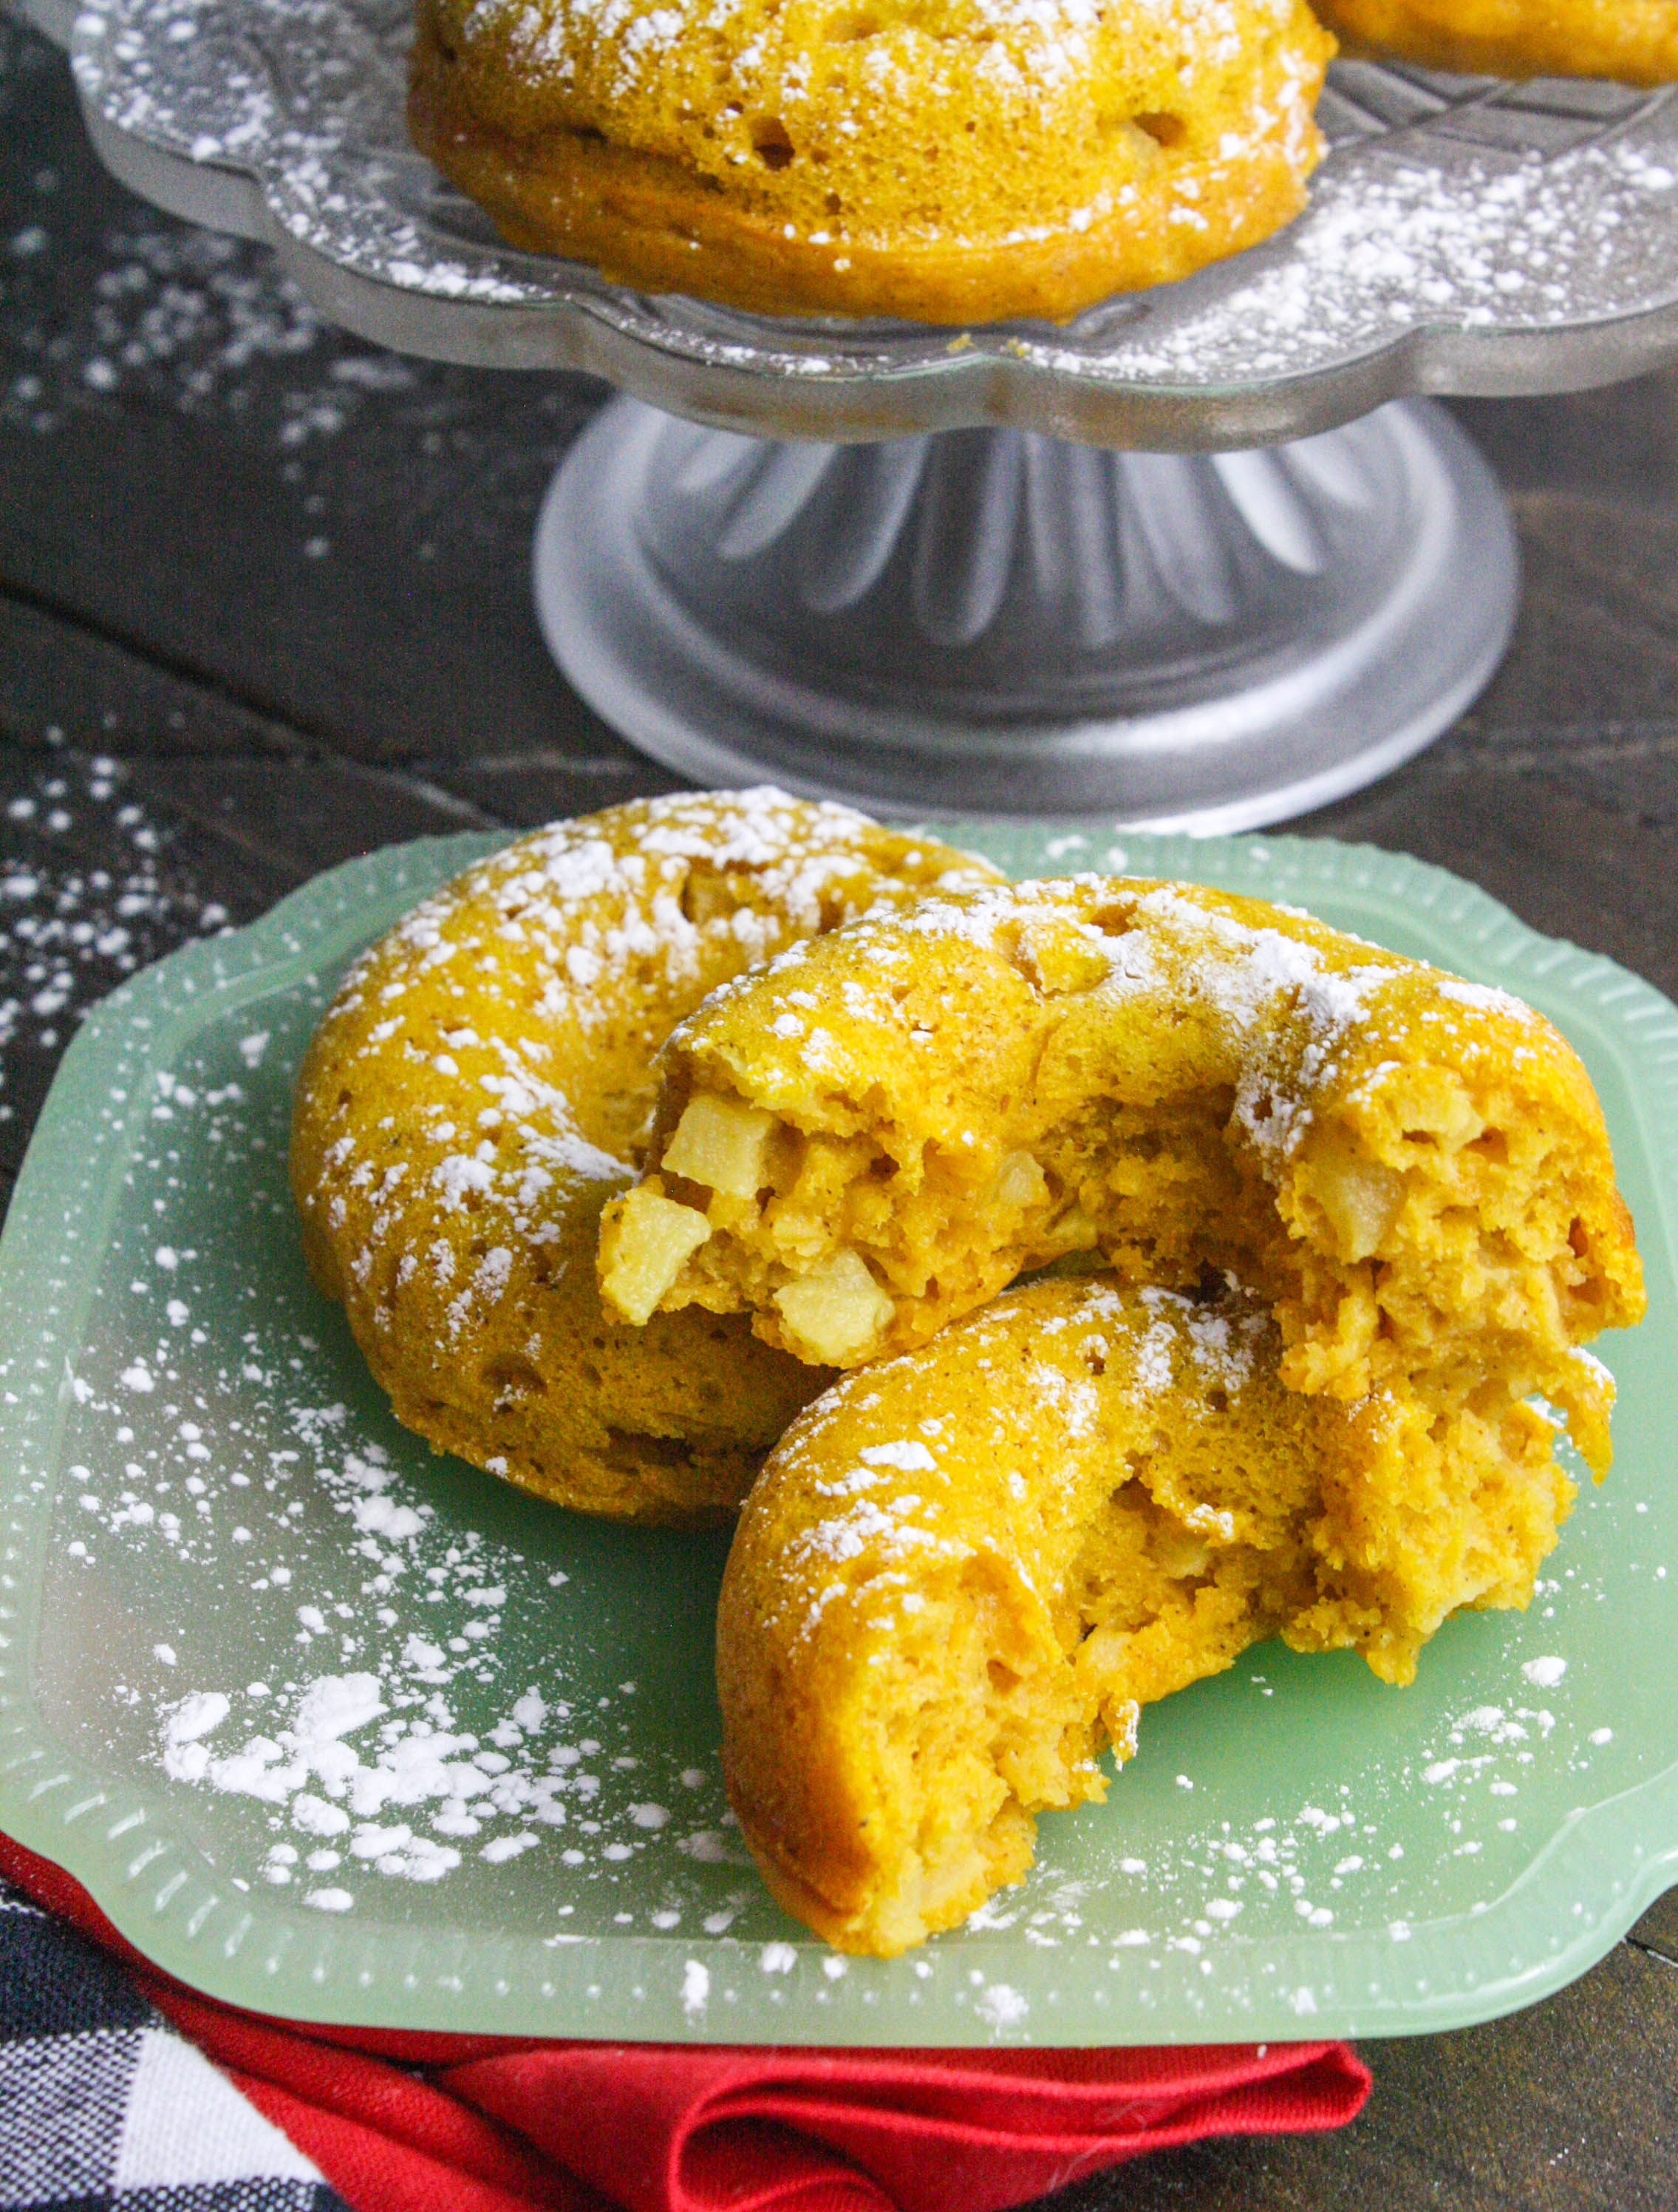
column 264, row 604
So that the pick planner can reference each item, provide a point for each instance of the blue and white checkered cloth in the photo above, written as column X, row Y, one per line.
column 104, row 2108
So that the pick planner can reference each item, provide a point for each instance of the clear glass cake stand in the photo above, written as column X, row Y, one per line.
column 1201, row 559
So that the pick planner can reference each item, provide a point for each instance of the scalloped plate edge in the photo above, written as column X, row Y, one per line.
column 995, row 380
column 161, row 1894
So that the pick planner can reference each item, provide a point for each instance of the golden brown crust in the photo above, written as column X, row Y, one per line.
column 1635, row 42
column 901, row 216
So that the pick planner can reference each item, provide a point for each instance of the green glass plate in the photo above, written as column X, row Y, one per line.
column 341, row 1730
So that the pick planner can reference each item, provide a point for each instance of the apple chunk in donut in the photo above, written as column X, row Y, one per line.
column 963, row 1571
column 480, row 1086
column 1413, row 1170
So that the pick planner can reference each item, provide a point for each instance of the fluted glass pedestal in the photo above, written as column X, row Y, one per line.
column 992, row 621
column 984, row 618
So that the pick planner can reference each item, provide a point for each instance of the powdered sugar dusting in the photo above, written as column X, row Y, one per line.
column 1220, row 1348
column 1471, row 241
column 367, row 1767
column 1172, row 946
column 878, row 1538
column 428, row 1700
column 1027, row 46
column 1460, row 1793
column 68, row 933
column 257, row 1517
column 569, row 937
column 1485, row 998
column 1448, row 214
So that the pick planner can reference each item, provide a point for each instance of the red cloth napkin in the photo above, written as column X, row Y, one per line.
column 498, row 2125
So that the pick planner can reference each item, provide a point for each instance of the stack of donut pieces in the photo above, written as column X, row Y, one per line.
column 1298, row 1232
column 949, row 161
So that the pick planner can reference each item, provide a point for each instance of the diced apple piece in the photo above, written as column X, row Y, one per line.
column 1074, row 1231
column 1432, row 1102
column 1184, row 1555
column 1102, row 1665
column 1020, row 1180
column 1119, row 1716
column 1099, row 1660
column 1361, row 1198
column 721, row 1143
column 643, row 1245
column 836, row 1313
column 1584, row 1390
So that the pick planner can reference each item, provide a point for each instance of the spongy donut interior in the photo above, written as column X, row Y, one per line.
column 964, row 1569
column 1413, row 1170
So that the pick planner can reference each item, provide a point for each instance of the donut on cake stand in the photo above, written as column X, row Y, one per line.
column 1201, row 558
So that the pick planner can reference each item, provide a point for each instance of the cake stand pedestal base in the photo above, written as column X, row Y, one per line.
column 992, row 622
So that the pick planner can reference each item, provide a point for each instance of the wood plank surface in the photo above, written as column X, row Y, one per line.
column 264, row 604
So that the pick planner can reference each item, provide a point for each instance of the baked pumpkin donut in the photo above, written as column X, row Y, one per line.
column 1413, row 1170
column 476, row 1091
column 947, row 161
column 963, row 1571
column 1634, row 40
